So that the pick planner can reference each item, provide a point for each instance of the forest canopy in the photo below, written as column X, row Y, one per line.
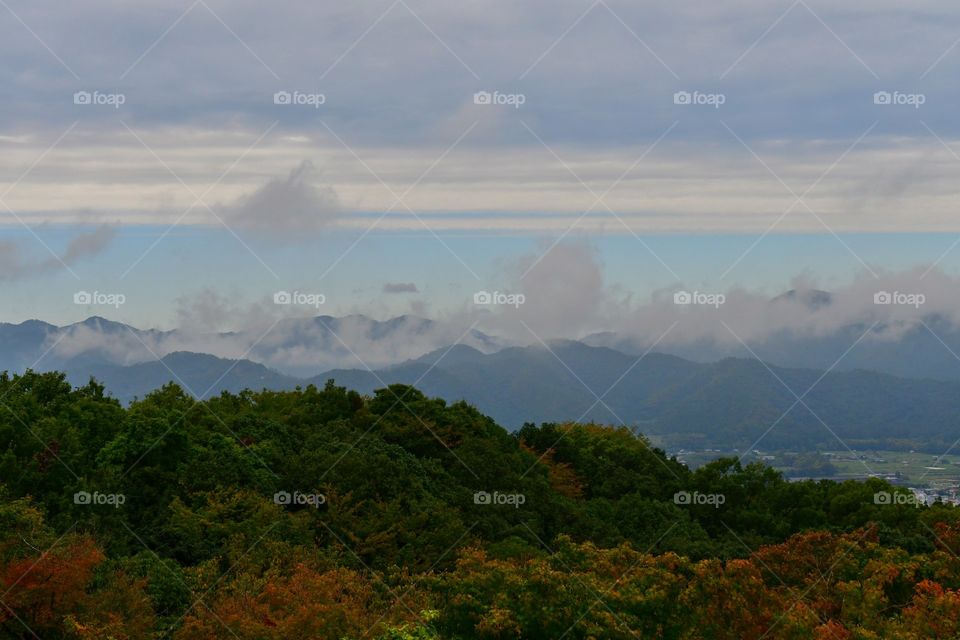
column 321, row 513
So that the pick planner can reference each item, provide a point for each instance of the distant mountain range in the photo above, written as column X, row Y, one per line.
column 683, row 402
column 296, row 346
column 931, row 351
column 916, row 353
column 727, row 404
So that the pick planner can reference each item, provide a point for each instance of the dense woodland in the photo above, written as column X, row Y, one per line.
column 321, row 513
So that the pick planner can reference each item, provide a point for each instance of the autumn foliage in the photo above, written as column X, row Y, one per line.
column 211, row 540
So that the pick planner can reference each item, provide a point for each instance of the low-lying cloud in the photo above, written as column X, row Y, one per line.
column 400, row 287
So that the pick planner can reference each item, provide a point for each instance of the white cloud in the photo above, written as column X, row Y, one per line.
column 285, row 206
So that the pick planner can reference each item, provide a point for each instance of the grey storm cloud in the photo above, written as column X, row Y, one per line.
column 400, row 287
column 287, row 205
column 88, row 244
column 16, row 262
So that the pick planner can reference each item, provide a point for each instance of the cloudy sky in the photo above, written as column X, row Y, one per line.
column 398, row 156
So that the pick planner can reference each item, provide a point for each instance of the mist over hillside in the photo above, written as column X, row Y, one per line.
column 729, row 404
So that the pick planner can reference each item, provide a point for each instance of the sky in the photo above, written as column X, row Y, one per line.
column 400, row 156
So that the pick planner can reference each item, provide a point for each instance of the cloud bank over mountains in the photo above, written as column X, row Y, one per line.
column 563, row 296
